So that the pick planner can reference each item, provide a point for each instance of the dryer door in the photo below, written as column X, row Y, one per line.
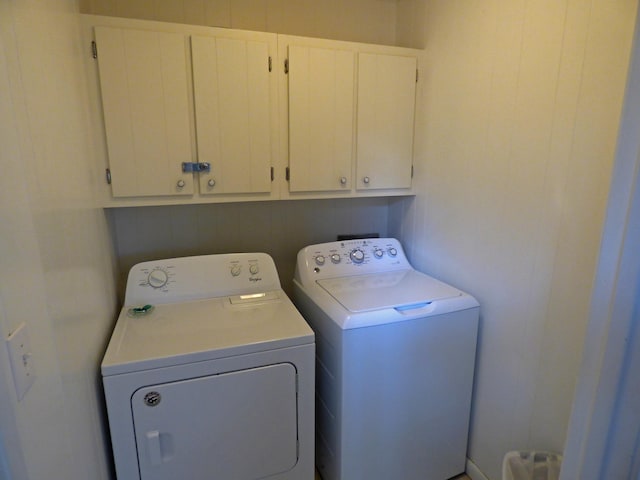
column 238, row 425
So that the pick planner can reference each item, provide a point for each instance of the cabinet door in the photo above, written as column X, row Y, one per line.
column 145, row 98
column 386, row 104
column 233, row 121
column 321, row 118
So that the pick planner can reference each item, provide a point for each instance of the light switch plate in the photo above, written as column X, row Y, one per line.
column 21, row 358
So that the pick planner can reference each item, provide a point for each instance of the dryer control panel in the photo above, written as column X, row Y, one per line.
column 206, row 276
column 350, row 257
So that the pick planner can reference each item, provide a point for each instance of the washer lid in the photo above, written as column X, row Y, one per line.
column 400, row 289
column 178, row 333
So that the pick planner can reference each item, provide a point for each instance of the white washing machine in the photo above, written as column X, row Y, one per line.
column 394, row 364
column 209, row 373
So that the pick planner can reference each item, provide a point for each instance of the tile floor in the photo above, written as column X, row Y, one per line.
column 459, row 477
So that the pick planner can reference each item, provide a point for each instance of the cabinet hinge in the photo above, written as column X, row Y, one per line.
column 272, row 174
column 286, row 65
column 287, row 174
column 411, row 171
column 417, row 75
column 269, row 62
column 108, row 176
column 94, row 49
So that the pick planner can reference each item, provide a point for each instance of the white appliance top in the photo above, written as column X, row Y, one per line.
column 190, row 309
column 368, row 282
column 404, row 289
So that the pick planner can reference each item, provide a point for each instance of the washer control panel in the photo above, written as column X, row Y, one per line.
column 351, row 257
column 206, row 276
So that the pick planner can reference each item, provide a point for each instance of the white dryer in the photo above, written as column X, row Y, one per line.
column 394, row 364
column 209, row 373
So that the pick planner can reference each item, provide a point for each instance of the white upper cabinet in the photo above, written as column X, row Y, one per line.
column 231, row 82
column 386, row 106
column 197, row 114
column 321, row 118
column 146, row 104
column 349, row 109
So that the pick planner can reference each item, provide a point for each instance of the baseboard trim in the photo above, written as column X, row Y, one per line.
column 474, row 472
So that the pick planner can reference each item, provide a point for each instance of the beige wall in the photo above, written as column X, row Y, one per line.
column 371, row 21
column 280, row 229
column 56, row 260
column 517, row 124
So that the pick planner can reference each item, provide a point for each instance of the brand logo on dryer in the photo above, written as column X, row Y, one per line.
column 152, row 399
column 255, row 279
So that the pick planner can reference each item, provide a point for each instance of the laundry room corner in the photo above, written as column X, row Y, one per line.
column 57, row 277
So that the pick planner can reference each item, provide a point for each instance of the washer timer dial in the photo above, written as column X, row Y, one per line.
column 357, row 255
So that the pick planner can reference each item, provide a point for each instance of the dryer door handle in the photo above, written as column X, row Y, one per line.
column 154, row 448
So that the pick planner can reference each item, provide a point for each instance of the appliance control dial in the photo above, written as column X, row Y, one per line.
column 157, row 278
column 335, row 258
column 357, row 255
column 392, row 252
column 319, row 260
column 235, row 270
column 253, row 269
column 378, row 252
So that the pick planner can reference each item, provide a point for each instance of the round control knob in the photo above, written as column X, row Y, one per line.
column 366, row 180
column 254, row 269
column 157, row 278
column 235, row 270
column 357, row 256
column 211, row 183
column 335, row 258
column 320, row 260
column 392, row 252
column 378, row 253
column 180, row 183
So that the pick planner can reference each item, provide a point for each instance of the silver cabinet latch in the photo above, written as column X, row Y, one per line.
column 189, row 167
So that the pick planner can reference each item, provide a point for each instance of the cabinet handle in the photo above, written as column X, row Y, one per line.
column 180, row 183
column 343, row 180
column 366, row 180
column 211, row 183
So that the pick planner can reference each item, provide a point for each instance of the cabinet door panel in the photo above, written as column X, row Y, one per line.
column 321, row 118
column 233, row 123
column 145, row 96
column 386, row 105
